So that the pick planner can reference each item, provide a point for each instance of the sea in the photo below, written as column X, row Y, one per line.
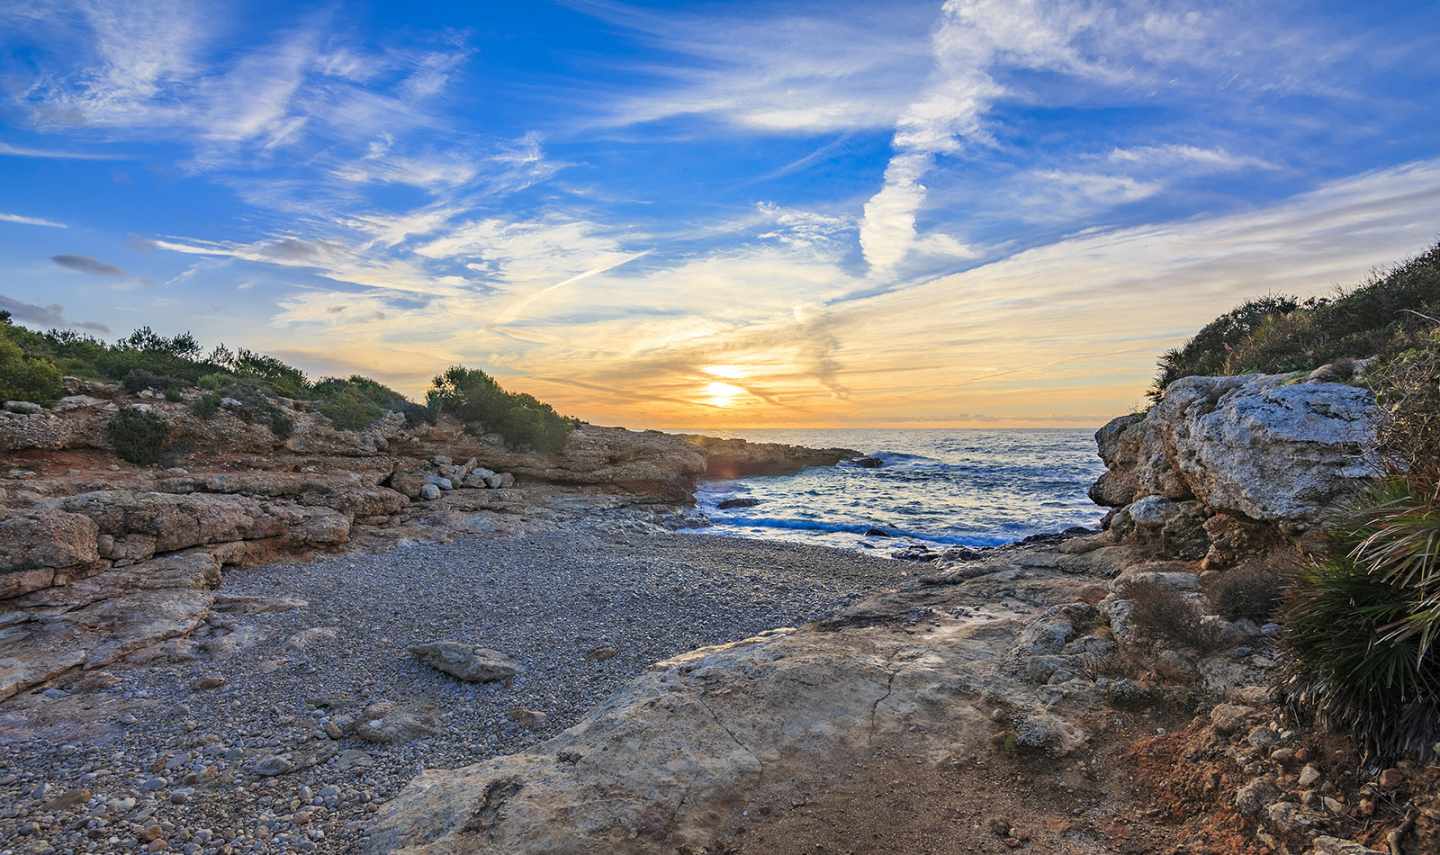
column 936, row 488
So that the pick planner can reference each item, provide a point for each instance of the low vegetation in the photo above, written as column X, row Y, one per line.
column 473, row 397
column 1246, row 593
column 1163, row 614
column 1361, row 626
column 251, row 385
column 1387, row 315
column 138, row 436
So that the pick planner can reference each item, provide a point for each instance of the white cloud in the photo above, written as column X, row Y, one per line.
column 942, row 245
column 30, row 221
column 854, row 69
column 1217, row 159
column 1065, row 194
column 8, row 150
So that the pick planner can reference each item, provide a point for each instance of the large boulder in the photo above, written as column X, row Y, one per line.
column 1263, row 447
column 1119, row 444
column 1272, row 450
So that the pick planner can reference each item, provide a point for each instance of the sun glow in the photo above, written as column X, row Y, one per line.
column 732, row 372
column 722, row 394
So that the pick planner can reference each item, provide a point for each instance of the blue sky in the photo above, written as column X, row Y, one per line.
column 746, row 213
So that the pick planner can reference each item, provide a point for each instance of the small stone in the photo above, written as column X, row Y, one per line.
column 429, row 492
column 209, row 681
column 270, row 766
column 1228, row 718
column 1333, row 804
column 528, row 719
column 1391, row 779
column 468, row 662
column 1309, row 776
column 601, row 653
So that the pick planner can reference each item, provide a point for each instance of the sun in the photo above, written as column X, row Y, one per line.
column 722, row 394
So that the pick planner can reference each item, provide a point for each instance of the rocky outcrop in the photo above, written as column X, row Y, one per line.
column 734, row 458
column 1263, row 446
column 95, row 621
column 1257, row 453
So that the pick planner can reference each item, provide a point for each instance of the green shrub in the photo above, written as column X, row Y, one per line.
column 27, row 378
column 138, row 380
column 348, row 409
column 1252, row 593
column 1207, row 351
column 256, row 406
column 1361, row 626
column 1387, row 314
column 138, row 436
column 206, row 406
column 285, row 380
column 476, row 399
column 280, row 424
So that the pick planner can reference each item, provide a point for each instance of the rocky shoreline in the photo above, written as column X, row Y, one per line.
column 283, row 711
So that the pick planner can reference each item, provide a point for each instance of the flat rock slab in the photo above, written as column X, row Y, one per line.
column 468, row 662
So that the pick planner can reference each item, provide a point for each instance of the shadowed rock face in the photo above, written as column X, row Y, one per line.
column 647, row 771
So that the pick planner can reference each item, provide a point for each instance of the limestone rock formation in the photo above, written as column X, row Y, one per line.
column 1261, row 446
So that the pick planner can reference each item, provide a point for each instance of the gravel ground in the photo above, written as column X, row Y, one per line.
column 320, row 714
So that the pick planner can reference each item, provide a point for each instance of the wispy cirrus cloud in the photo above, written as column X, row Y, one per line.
column 1217, row 159
column 23, row 220
column 8, row 150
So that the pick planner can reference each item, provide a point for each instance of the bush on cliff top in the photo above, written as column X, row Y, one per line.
column 138, row 436
column 1388, row 314
column 26, row 378
column 476, row 399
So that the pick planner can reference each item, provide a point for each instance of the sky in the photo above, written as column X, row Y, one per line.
column 983, row 213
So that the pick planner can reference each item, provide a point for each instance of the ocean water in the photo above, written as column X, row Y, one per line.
column 937, row 488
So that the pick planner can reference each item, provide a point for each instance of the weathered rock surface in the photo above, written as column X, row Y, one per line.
column 1261, row 446
column 644, row 771
column 35, row 544
column 95, row 621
